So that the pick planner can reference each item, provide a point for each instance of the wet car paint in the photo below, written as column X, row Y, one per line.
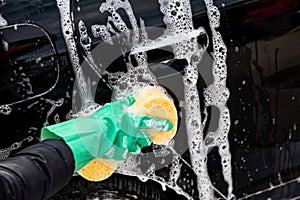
column 263, row 104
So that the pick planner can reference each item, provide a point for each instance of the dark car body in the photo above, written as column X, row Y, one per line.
column 263, row 46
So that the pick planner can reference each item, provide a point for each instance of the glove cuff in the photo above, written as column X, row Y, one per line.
column 68, row 132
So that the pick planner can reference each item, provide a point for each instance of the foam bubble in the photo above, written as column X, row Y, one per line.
column 102, row 32
column 5, row 109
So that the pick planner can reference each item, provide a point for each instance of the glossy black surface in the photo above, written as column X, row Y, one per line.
column 263, row 41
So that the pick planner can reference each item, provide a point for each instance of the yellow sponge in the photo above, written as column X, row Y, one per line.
column 154, row 102
column 148, row 101
column 98, row 169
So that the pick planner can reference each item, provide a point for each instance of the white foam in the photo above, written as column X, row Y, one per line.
column 68, row 33
column 4, row 153
column 5, row 109
column 219, row 93
column 181, row 36
column 54, row 105
column 3, row 21
column 102, row 32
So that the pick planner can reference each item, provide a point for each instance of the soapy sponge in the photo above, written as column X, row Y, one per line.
column 148, row 101
column 154, row 102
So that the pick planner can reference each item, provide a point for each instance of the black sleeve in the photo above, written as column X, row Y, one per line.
column 36, row 172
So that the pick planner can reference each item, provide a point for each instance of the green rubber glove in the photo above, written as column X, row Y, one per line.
column 109, row 133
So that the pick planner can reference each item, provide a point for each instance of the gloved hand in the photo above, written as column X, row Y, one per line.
column 109, row 133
